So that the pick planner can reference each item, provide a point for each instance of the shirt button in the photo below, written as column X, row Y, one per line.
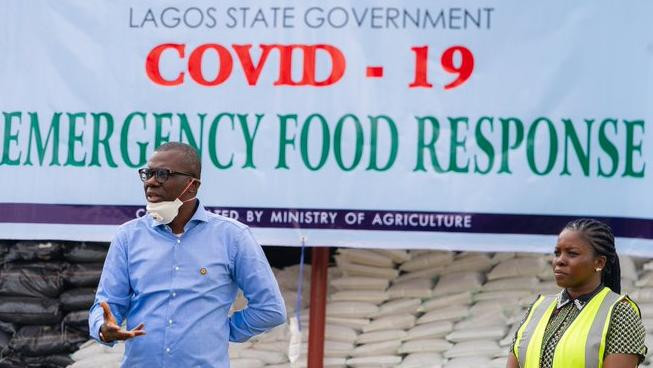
column 170, row 322
column 167, row 350
column 174, row 294
column 176, row 268
column 178, row 241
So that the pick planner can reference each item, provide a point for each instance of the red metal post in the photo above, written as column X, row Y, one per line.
column 317, row 313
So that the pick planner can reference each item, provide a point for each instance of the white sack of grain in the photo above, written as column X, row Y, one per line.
column 430, row 330
column 487, row 333
column 451, row 313
column 360, row 283
column 379, row 348
column 468, row 362
column 422, row 360
column 370, row 296
column 397, row 255
column 456, row 282
column 398, row 306
column 516, row 267
column 512, row 283
column 489, row 348
column 429, row 274
column 429, row 260
column 425, row 346
column 352, row 269
column 460, row 299
column 470, row 262
column 391, row 322
column 377, row 361
column 381, row 336
column 418, row 288
column 350, row 309
column 365, row 257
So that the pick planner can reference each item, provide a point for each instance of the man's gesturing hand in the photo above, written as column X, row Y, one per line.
column 111, row 331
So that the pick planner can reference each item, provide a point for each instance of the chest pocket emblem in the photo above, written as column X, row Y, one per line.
column 203, row 271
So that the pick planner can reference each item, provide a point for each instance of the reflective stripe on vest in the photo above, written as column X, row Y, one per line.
column 527, row 330
column 582, row 344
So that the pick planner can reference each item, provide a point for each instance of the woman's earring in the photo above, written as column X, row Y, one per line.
column 597, row 269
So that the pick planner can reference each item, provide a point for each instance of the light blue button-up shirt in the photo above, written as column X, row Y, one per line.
column 182, row 288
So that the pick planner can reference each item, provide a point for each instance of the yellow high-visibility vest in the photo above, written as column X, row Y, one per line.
column 583, row 343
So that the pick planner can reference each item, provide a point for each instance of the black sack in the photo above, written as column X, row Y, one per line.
column 85, row 252
column 4, row 248
column 51, row 361
column 33, row 251
column 83, row 274
column 74, row 339
column 77, row 299
column 31, row 280
column 48, row 266
column 39, row 341
column 4, row 341
column 77, row 321
column 7, row 327
column 11, row 361
column 29, row 311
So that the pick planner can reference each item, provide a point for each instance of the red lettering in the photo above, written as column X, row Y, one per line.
column 252, row 72
column 421, row 62
column 338, row 65
column 252, row 69
column 195, row 65
column 285, row 65
column 153, row 60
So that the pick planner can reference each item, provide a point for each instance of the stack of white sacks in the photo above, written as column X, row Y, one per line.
column 420, row 309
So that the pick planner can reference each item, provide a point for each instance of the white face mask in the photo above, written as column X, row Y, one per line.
column 166, row 211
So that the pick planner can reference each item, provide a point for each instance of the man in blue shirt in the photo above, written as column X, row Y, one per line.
column 176, row 272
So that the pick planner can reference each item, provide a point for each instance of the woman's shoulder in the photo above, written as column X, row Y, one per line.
column 626, row 308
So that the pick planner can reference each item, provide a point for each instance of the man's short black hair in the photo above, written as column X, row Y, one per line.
column 191, row 156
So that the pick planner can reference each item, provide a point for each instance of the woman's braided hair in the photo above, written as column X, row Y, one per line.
column 599, row 236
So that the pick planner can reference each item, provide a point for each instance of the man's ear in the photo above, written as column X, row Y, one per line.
column 195, row 187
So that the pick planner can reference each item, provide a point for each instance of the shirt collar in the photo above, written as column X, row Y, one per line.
column 564, row 298
column 200, row 215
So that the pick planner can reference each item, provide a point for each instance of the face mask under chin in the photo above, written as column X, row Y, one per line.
column 165, row 212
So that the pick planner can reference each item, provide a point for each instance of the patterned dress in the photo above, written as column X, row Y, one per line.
column 626, row 332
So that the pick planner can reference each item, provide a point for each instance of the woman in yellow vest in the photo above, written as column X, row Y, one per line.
column 587, row 325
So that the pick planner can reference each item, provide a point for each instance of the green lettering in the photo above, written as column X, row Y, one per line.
column 374, row 137
column 455, row 144
column 213, row 132
column 9, row 137
column 429, row 146
column 284, row 140
column 325, row 141
column 249, row 138
column 609, row 148
column 484, row 144
column 582, row 155
column 98, row 118
column 506, row 145
column 124, row 141
column 73, row 139
column 35, row 135
column 553, row 146
column 159, row 137
column 186, row 132
column 631, row 148
column 337, row 142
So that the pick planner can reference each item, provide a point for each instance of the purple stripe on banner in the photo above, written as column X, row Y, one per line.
column 345, row 219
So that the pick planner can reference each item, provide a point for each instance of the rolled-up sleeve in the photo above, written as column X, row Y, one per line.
column 265, row 306
column 114, row 287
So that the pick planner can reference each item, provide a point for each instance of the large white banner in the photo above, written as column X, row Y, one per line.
column 481, row 125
